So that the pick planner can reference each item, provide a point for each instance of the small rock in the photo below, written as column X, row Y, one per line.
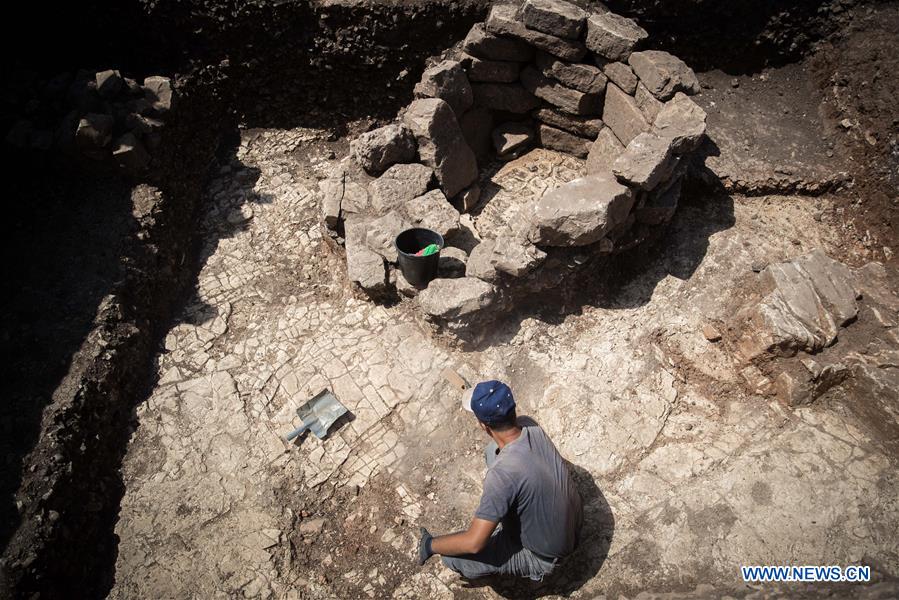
column 509, row 137
column 311, row 526
column 710, row 333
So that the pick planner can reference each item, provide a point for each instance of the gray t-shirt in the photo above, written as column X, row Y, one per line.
column 529, row 487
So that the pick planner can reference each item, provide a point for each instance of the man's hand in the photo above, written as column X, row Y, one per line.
column 424, row 547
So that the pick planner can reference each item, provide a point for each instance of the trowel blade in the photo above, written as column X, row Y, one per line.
column 321, row 412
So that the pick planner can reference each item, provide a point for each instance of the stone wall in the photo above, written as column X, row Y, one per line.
column 101, row 116
column 544, row 74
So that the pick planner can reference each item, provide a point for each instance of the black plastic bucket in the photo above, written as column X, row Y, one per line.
column 418, row 270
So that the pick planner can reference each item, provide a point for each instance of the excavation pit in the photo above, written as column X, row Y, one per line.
column 215, row 300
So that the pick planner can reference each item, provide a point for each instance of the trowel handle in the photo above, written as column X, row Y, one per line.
column 293, row 434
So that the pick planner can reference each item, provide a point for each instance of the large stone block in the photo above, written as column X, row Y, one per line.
column 496, row 71
column 555, row 17
column 647, row 161
column 603, row 152
column 562, row 141
column 380, row 148
column 331, row 192
column 502, row 21
column 398, row 185
column 612, row 36
column 454, row 298
column 487, row 46
column 433, row 211
column 622, row 115
column 585, row 78
column 648, row 104
column 620, row 74
column 682, row 121
column 441, row 144
column 587, row 127
column 804, row 303
column 663, row 74
column 569, row 100
column 581, row 212
column 509, row 97
column 447, row 81
column 366, row 268
column 503, row 255
column 381, row 234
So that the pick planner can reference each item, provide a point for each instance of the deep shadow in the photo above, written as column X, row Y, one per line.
column 586, row 561
column 67, row 231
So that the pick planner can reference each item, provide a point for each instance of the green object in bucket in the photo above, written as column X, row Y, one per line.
column 428, row 250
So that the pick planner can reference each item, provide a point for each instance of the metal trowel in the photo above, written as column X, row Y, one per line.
column 318, row 414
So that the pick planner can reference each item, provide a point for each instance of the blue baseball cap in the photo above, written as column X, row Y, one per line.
column 490, row 401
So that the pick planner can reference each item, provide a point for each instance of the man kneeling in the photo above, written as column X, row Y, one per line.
column 527, row 491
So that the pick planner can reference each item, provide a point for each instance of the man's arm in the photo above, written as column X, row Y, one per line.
column 471, row 541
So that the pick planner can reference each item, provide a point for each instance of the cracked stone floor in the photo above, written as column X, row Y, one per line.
column 686, row 475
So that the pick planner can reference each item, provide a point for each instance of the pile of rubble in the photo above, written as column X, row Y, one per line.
column 784, row 332
column 103, row 116
column 543, row 74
